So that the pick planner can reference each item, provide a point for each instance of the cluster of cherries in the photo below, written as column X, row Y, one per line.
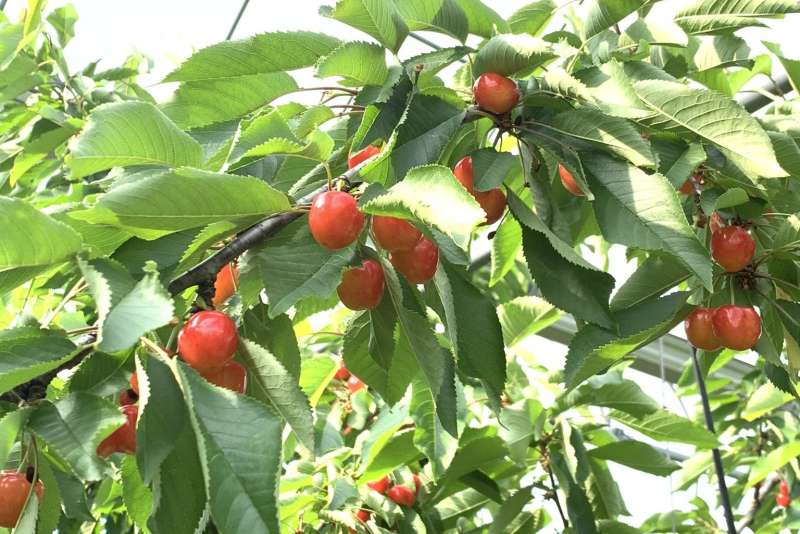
column 730, row 326
column 14, row 490
column 354, row 384
column 398, row 493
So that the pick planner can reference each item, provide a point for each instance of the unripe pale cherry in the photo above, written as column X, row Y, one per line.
column 393, row 234
column 362, row 155
column 122, row 439
column 568, row 181
column 361, row 288
column 733, row 248
column 208, row 340
column 226, row 283
column 418, row 265
column 14, row 489
column 495, row 93
column 700, row 331
column 401, row 495
column 232, row 376
column 492, row 202
column 736, row 327
column 334, row 219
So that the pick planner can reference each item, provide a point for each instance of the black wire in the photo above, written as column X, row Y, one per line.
column 3, row 4
column 238, row 18
column 723, row 487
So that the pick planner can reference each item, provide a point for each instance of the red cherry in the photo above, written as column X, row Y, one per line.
column 782, row 500
column 733, row 248
column 226, row 284
column 122, row 439
column 361, row 288
column 783, row 487
column 736, row 327
column 568, row 181
column 463, row 173
column 496, row 93
column 354, row 384
column 686, row 188
column 418, row 265
column 402, row 495
column 417, row 483
column 14, row 489
column 493, row 203
column 334, row 220
column 716, row 222
column 362, row 515
column 393, row 234
column 699, row 330
column 232, row 376
column 380, row 485
column 362, row 155
column 135, row 383
column 208, row 340
column 342, row 373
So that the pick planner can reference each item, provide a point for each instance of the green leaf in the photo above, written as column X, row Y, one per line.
column 430, row 436
column 63, row 21
column 293, row 266
column 242, row 459
column 665, row 426
column 130, row 133
column 481, row 19
column 565, row 279
column 792, row 66
column 610, row 391
column 654, row 30
column 27, row 352
column 525, row 316
column 715, row 199
column 275, row 334
column 10, row 425
column 511, row 54
column 431, row 197
column 772, row 462
column 603, row 14
column 613, row 134
column 725, row 16
column 357, row 63
column 713, row 117
column 186, row 198
column 642, row 210
column 532, row 18
column 509, row 510
column 636, row 455
column 443, row 16
column 31, row 238
column 764, row 400
column 73, row 427
column 603, row 491
column 260, row 54
column 678, row 161
column 655, row 276
column 136, row 495
column 377, row 18
column 491, row 167
column 506, row 246
column 272, row 383
column 519, row 425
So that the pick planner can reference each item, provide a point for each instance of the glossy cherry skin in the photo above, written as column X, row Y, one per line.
column 122, row 439
column 208, row 340
column 736, row 327
column 362, row 155
column 393, row 234
column 354, row 384
column 334, row 219
column 232, row 376
column 568, row 181
column 342, row 373
column 492, row 202
column 402, row 495
column 733, row 248
column 14, row 489
column 716, row 222
column 699, row 329
column 362, row 515
column 361, row 288
column 495, row 93
column 380, row 485
column 418, row 265
column 464, row 174
column 226, row 283
column 782, row 500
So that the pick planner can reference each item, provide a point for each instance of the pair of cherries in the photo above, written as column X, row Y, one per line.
column 398, row 493
column 730, row 326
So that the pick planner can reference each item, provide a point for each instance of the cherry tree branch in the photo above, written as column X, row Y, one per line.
column 758, row 493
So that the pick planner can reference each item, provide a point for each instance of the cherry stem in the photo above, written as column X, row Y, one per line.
column 351, row 92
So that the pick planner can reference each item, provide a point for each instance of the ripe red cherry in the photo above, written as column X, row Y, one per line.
column 362, row 515
column 393, row 234
column 380, row 485
column 496, row 93
column 361, row 288
column 342, row 373
column 463, row 173
column 232, row 376
column 716, row 222
column 334, row 220
column 226, row 283
column 362, row 155
column 402, row 495
column 736, row 327
column 493, row 202
column 122, row 439
column 782, row 500
column 208, row 340
column 354, row 384
column 14, row 489
column 699, row 329
column 568, row 181
column 733, row 248
column 418, row 265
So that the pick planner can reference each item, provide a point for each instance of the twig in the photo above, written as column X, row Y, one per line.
column 757, row 502
column 556, row 499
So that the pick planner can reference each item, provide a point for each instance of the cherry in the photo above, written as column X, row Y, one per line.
column 354, row 384
column 393, row 234
column 686, row 188
column 127, row 397
column 495, row 93
column 14, row 489
column 402, row 495
column 208, row 340
column 226, row 283
column 362, row 155
column 380, row 485
column 232, row 376
column 699, row 330
column 736, row 327
column 716, row 222
column 568, row 181
column 493, row 202
column 362, row 515
column 342, row 373
column 418, row 265
column 334, row 219
column 122, row 439
column 733, row 248
column 782, row 500
column 361, row 288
